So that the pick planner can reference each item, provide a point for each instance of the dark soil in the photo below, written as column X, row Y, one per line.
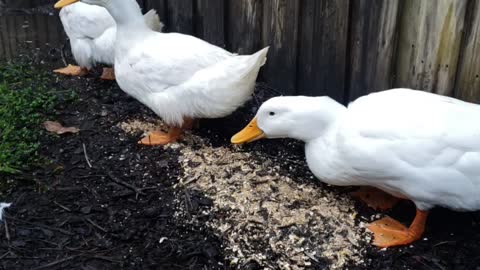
column 123, row 211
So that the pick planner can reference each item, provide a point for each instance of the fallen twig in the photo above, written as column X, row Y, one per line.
column 62, row 53
column 86, row 156
column 195, row 179
column 284, row 226
column 56, row 262
column 99, row 257
column 124, row 184
column 62, row 206
column 96, row 225
column 43, row 226
column 7, row 233
column 188, row 201
column 4, row 255
column 311, row 256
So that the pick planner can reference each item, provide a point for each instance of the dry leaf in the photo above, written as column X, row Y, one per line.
column 57, row 128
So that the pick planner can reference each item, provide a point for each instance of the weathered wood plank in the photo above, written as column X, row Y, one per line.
column 30, row 32
column 244, row 25
column 3, row 38
column 429, row 44
column 280, row 32
column 322, row 50
column 19, row 4
column 54, row 31
column 21, row 33
column 12, row 35
column 40, row 27
column 372, row 46
column 468, row 80
column 210, row 21
column 180, row 16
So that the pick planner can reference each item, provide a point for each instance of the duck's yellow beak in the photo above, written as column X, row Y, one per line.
column 249, row 134
column 63, row 3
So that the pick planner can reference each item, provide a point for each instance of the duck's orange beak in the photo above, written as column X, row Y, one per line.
column 249, row 134
column 63, row 3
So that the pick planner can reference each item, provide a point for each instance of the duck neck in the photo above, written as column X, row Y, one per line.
column 127, row 14
column 318, row 122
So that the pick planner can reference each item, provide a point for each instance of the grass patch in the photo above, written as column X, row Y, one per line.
column 25, row 99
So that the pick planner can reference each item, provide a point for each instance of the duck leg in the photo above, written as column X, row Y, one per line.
column 375, row 198
column 108, row 74
column 388, row 232
column 162, row 138
column 72, row 70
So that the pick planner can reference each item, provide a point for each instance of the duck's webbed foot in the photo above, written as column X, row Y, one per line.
column 162, row 138
column 108, row 74
column 388, row 232
column 72, row 70
column 376, row 198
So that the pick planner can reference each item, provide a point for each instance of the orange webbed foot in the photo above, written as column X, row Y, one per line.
column 162, row 138
column 375, row 198
column 72, row 70
column 159, row 138
column 388, row 232
column 108, row 74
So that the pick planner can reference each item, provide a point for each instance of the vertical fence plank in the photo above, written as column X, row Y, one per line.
column 11, row 31
column 55, row 33
column 180, row 16
column 468, row 80
column 30, row 32
column 280, row 32
column 323, row 43
column 4, row 37
column 21, row 34
column 41, row 30
column 372, row 46
column 429, row 44
column 244, row 25
column 210, row 21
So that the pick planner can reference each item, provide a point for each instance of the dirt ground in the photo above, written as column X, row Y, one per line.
column 200, row 203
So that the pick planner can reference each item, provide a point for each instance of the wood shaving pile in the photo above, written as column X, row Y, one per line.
column 266, row 217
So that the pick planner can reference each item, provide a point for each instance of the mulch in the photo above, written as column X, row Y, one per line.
column 121, row 211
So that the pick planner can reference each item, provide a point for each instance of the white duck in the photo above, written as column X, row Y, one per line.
column 411, row 144
column 178, row 76
column 91, row 30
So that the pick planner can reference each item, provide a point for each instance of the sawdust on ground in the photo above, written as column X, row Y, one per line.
column 263, row 215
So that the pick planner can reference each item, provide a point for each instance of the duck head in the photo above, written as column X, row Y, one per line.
column 297, row 117
column 125, row 12
column 63, row 3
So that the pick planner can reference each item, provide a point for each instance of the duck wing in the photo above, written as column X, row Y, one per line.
column 424, row 145
column 165, row 60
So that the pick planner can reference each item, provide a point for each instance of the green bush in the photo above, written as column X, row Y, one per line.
column 25, row 100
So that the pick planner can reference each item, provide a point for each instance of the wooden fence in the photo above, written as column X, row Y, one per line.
column 343, row 48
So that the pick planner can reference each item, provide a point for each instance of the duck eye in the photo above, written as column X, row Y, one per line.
column 272, row 113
